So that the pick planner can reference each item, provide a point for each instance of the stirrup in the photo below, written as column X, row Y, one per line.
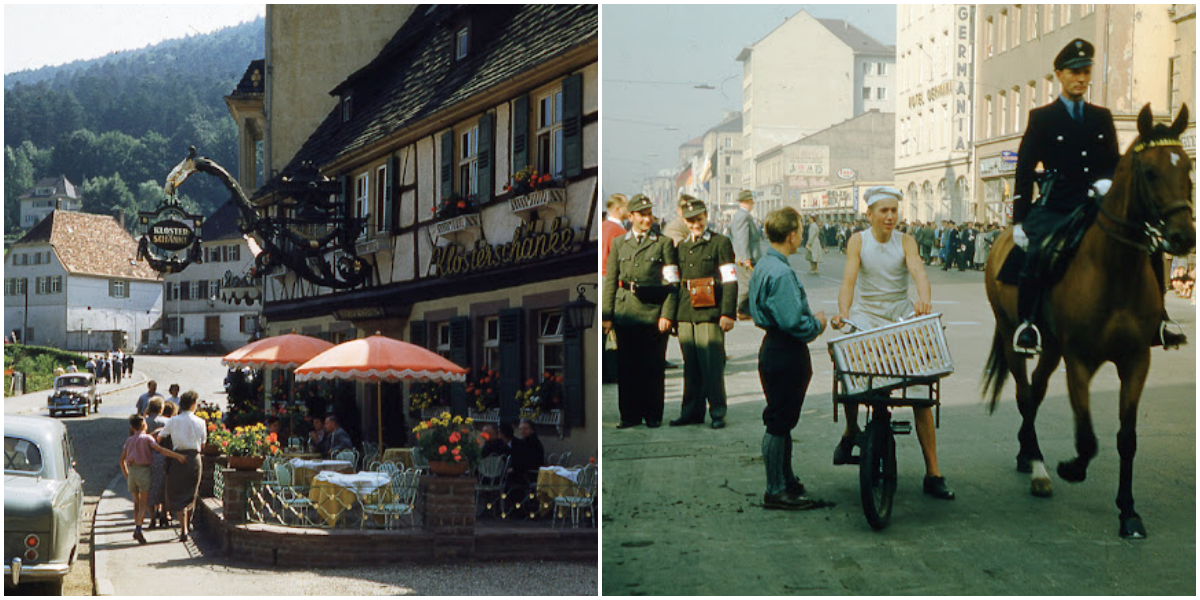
column 1037, row 346
column 1162, row 333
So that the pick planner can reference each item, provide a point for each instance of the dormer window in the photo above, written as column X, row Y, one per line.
column 347, row 106
column 462, row 43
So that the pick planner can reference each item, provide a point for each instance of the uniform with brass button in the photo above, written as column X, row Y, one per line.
column 640, row 298
column 707, row 307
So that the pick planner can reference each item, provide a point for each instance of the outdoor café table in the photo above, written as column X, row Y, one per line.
column 332, row 493
column 305, row 470
column 554, row 482
column 401, row 457
column 299, row 454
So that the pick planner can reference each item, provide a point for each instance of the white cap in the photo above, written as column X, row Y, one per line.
column 882, row 192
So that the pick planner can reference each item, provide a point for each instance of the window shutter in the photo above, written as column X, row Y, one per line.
column 510, row 363
column 573, row 125
column 348, row 232
column 460, row 335
column 447, row 175
column 573, row 369
column 484, row 160
column 520, row 133
column 393, row 184
column 418, row 333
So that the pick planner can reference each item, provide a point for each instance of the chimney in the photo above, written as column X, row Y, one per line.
column 121, row 217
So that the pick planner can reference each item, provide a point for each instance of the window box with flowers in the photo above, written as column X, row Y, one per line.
column 531, row 190
column 429, row 398
column 454, row 214
column 541, row 401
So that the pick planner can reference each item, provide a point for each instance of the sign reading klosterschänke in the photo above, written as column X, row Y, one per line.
column 527, row 245
column 171, row 235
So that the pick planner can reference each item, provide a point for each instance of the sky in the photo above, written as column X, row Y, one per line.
column 48, row 34
column 653, row 56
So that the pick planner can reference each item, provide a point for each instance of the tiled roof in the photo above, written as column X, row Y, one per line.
column 413, row 76
column 252, row 80
column 62, row 187
column 855, row 38
column 222, row 224
column 89, row 244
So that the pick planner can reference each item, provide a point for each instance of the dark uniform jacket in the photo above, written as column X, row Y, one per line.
column 704, row 257
column 638, row 286
column 1078, row 154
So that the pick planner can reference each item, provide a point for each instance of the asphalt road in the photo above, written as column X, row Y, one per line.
column 683, row 506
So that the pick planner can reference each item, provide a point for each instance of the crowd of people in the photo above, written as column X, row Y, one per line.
column 110, row 366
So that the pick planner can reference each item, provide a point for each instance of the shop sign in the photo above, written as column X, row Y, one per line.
column 1008, row 156
column 527, row 246
column 964, row 36
column 846, row 173
column 995, row 166
column 171, row 235
column 354, row 314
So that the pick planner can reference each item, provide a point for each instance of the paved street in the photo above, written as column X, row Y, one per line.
column 683, row 506
column 198, row 566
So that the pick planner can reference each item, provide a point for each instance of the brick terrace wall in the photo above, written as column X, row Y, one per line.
column 449, row 514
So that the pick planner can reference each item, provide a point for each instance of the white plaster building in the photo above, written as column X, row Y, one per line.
column 48, row 195
column 73, row 282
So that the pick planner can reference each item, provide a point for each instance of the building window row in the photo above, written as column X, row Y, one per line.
column 201, row 289
column 224, row 253
column 1003, row 31
column 49, row 285
column 31, row 258
column 16, row 286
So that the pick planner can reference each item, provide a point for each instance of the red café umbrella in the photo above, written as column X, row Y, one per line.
column 379, row 359
column 280, row 352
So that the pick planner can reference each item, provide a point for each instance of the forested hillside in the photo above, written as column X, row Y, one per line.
column 115, row 126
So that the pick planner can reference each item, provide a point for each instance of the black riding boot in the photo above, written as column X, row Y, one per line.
column 1027, row 339
column 1166, row 338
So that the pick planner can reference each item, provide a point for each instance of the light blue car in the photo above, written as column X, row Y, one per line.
column 43, row 502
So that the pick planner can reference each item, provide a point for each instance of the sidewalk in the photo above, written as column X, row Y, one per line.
column 35, row 402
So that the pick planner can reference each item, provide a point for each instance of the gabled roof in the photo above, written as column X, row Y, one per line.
column 62, row 188
column 413, row 76
column 222, row 224
column 253, row 80
column 855, row 38
column 89, row 244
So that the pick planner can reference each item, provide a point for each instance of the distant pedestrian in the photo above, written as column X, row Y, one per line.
column 747, row 248
column 71, row 368
column 173, row 394
column 135, row 465
column 188, row 433
column 129, row 364
column 91, row 366
column 143, row 401
column 815, row 252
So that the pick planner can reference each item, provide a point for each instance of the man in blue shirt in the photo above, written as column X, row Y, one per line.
column 779, row 306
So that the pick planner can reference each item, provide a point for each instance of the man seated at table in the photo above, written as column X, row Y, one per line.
column 317, row 438
column 493, row 445
column 527, row 454
column 339, row 439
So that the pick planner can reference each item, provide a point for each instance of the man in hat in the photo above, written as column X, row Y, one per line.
column 747, row 247
column 874, row 293
column 1076, row 143
column 707, row 301
column 640, row 294
column 616, row 211
column 677, row 228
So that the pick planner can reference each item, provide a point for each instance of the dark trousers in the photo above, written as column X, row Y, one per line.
column 641, row 358
column 1037, row 226
column 703, row 348
column 784, row 369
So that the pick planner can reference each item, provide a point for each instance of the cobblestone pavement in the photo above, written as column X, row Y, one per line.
column 683, row 506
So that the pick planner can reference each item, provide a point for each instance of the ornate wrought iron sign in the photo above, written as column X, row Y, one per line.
column 169, row 229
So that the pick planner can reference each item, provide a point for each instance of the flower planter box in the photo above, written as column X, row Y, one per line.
column 491, row 415
column 537, row 199
column 453, row 225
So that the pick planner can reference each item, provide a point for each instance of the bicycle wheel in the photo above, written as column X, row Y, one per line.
column 877, row 470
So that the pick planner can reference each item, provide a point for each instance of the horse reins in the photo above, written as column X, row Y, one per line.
column 1152, row 233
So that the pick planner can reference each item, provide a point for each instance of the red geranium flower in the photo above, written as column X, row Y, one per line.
column 454, row 437
column 441, row 450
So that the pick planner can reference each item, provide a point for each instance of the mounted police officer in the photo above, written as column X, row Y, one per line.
column 640, row 294
column 1076, row 144
column 707, row 304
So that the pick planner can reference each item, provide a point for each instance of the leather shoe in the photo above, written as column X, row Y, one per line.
column 936, row 487
column 626, row 425
column 718, row 424
column 786, row 501
column 653, row 424
column 137, row 535
column 796, row 488
column 844, row 453
column 681, row 422
column 1028, row 339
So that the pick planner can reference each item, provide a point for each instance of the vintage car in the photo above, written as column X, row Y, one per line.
column 74, row 392
column 43, row 502
column 154, row 348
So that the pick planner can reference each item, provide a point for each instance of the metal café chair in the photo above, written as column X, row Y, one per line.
column 581, row 496
column 493, row 476
column 400, row 501
column 350, row 455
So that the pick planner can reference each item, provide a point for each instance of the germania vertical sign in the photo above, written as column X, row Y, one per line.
column 964, row 37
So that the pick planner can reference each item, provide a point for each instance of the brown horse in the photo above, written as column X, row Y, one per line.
column 1106, row 307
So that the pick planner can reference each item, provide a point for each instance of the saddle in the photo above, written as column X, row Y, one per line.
column 1054, row 254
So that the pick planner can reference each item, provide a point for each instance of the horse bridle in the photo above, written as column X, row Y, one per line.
column 1151, row 232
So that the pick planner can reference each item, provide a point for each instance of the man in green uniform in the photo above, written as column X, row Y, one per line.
column 707, row 305
column 640, row 294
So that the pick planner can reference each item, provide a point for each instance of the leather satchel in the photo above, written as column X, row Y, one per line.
column 703, row 292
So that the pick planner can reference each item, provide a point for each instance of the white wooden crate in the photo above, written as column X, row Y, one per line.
column 916, row 347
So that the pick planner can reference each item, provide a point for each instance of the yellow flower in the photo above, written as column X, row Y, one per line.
column 445, row 415
column 457, row 419
column 469, row 420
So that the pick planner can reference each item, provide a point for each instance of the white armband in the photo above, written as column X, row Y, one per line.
column 671, row 273
column 728, row 273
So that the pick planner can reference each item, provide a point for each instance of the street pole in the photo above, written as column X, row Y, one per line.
column 25, row 323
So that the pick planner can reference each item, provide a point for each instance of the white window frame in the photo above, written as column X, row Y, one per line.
column 491, row 342
column 56, row 284
column 118, row 288
column 866, row 92
column 462, row 43
column 548, row 133
column 468, row 161
column 42, row 285
column 362, row 198
column 22, row 286
column 550, row 328
column 442, row 331
column 246, row 323
column 881, row 93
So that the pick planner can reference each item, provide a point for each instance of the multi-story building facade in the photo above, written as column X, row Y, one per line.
column 711, row 167
column 458, row 101
column 806, row 75
column 1016, row 45
column 46, row 196
column 1183, row 71
column 660, row 189
column 194, row 308
column 74, row 282
column 934, row 114
column 824, row 174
